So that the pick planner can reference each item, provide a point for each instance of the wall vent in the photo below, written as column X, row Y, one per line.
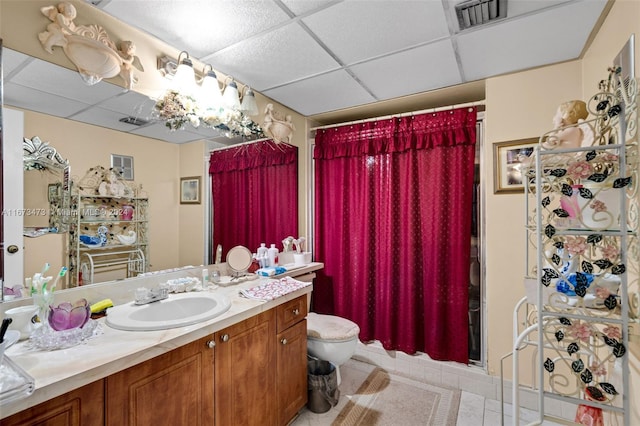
column 134, row 120
column 472, row 13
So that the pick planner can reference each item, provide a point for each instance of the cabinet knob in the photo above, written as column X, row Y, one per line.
column 296, row 311
column 211, row 344
column 283, row 341
column 224, row 337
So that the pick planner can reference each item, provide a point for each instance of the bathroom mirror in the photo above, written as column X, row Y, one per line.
column 239, row 259
column 46, row 189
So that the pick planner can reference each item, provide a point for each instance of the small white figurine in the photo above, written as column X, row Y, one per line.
column 127, row 51
column 111, row 186
column 61, row 25
column 578, row 133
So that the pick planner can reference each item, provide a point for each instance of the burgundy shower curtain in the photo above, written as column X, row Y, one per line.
column 255, row 194
column 393, row 202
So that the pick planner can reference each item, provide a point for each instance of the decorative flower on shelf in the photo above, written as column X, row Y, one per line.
column 612, row 332
column 602, row 293
column 609, row 251
column 598, row 206
column 575, row 245
column 597, row 369
column 580, row 330
column 579, row 170
column 176, row 110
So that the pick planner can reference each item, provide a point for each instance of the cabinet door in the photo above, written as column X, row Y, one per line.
column 292, row 371
column 245, row 369
column 83, row 406
column 175, row 388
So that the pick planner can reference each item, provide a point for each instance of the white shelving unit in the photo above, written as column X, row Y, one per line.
column 113, row 222
column 582, row 226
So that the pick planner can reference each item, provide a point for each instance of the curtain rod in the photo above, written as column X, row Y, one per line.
column 239, row 144
column 405, row 114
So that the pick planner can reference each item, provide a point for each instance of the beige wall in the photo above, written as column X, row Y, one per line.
column 191, row 217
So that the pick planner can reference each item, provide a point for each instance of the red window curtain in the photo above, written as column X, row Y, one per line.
column 392, row 224
column 255, row 194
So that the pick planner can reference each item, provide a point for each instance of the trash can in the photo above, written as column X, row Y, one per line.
column 322, row 384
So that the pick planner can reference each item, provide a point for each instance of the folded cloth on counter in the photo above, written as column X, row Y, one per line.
column 274, row 288
column 15, row 383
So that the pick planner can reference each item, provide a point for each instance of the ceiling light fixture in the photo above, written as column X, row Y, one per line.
column 200, row 102
column 210, row 95
column 231, row 96
column 248, row 104
column 184, row 80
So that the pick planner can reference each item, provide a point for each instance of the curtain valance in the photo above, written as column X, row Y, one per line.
column 398, row 134
column 250, row 156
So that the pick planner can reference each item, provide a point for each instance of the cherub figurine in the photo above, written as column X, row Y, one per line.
column 61, row 25
column 572, row 130
column 111, row 186
column 127, row 51
column 280, row 130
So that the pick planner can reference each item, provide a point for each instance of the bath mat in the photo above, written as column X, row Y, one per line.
column 389, row 399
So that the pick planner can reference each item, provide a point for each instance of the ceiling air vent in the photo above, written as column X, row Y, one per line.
column 472, row 13
column 134, row 120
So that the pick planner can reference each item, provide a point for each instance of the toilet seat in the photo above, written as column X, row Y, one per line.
column 331, row 328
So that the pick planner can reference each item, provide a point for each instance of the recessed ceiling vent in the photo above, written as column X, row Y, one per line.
column 134, row 120
column 472, row 13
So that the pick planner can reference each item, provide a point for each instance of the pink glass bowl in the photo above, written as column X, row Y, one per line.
column 67, row 316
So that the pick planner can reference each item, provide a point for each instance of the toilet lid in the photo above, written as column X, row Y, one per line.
column 330, row 327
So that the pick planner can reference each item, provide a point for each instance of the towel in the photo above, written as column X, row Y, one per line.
column 274, row 288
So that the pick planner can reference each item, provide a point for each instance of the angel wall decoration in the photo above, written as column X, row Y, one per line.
column 279, row 129
column 89, row 47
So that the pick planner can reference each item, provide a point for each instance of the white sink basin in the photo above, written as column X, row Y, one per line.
column 178, row 310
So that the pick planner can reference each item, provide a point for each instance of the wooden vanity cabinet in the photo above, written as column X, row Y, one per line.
column 291, row 357
column 175, row 388
column 245, row 372
column 82, row 406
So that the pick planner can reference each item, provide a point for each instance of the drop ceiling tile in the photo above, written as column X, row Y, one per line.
column 158, row 130
column 413, row 71
column 26, row 98
column 104, row 118
column 11, row 60
column 358, row 30
column 130, row 103
column 544, row 38
column 327, row 92
column 63, row 82
column 200, row 27
column 278, row 57
column 302, row 7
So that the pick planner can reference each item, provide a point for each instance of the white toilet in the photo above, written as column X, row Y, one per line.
column 331, row 338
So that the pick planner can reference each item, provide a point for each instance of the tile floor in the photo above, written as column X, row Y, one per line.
column 475, row 410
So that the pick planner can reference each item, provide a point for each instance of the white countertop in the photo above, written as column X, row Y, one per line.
column 60, row 371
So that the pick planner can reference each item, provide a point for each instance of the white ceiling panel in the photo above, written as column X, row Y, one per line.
column 278, row 57
column 303, row 7
column 327, row 92
column 358, row 30
column 199, row 26
column 63, row 82
column 26, row 98
column 158, row 130
column 549, row 37
column 104, row 118
column 130, row 103
column 412, row 71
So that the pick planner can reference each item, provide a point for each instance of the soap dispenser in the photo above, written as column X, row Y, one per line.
column 273, row 255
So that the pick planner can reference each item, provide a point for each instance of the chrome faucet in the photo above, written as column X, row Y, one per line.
column 145, row 295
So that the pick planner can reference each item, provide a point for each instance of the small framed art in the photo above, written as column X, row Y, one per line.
column 509, row 160
column 190, row 190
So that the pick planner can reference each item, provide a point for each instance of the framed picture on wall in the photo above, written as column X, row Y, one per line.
column 509, row 159
column 190, row 190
